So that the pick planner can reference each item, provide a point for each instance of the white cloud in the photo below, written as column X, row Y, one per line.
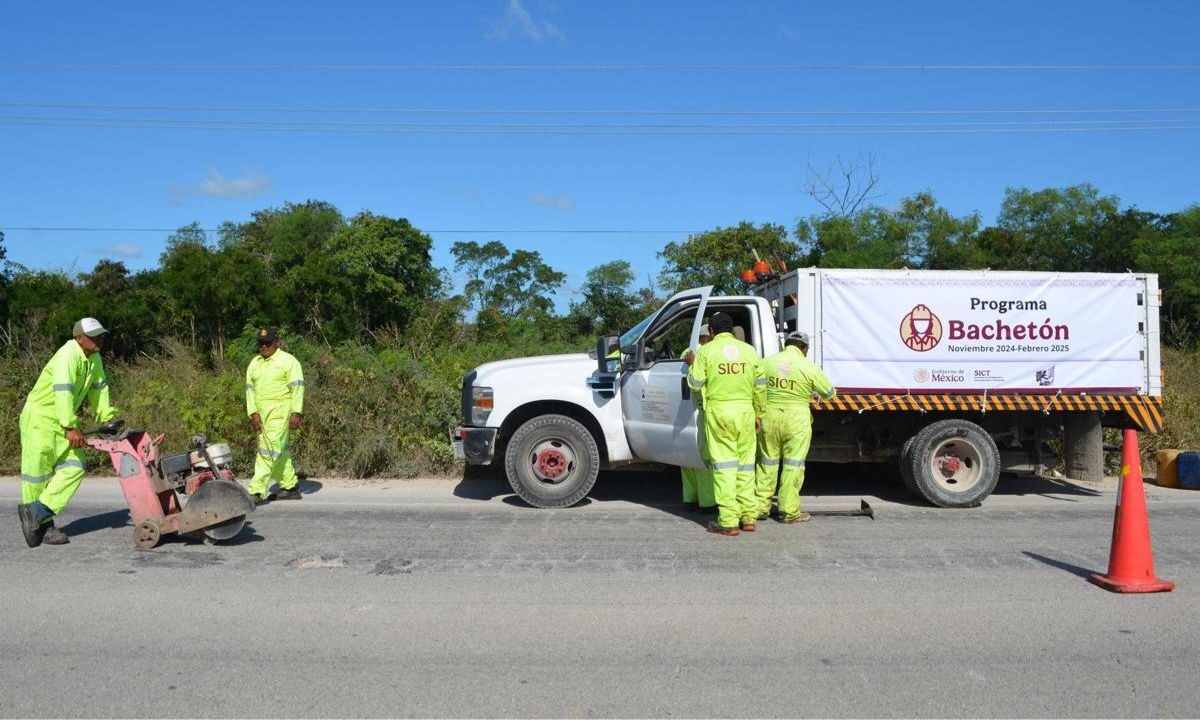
column 119, row 249
column 787, row 32
column 516, row 20
column 562, row 203
column 216, row 185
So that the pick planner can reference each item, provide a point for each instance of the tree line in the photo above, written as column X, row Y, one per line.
column 335, row 279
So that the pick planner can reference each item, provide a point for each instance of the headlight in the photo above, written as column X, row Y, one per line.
column 481, row 405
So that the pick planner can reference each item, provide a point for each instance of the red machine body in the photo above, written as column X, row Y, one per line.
column 216, row 505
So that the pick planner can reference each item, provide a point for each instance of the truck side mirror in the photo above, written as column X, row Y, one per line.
column 608, row 354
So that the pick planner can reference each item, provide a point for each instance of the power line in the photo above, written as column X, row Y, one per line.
column 493, row 231
column 548, row 111
column 586, row 68
column 610, row 129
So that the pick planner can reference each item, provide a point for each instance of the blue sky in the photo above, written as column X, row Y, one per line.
column 164, row 177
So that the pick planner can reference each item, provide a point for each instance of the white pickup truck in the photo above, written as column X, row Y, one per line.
column 955, row 375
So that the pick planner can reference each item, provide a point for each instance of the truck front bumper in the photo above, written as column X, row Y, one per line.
column 473, row 445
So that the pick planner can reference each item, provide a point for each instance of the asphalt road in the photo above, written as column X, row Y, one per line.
column 443, row 598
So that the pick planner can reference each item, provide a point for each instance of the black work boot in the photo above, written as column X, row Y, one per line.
column 51, row 535
column 30, row 527
column 288, row 493
column 262, row 499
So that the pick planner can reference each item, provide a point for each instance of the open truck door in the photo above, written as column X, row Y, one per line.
column 659, row 413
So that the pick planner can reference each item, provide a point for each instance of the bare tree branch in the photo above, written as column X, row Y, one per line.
column 844, row 185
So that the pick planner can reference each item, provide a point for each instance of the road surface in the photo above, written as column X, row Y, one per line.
column 449, row 598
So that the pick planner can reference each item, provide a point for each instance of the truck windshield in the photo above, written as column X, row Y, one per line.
column 635, row 333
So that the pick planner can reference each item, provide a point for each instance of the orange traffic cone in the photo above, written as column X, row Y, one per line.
column 1131, row 561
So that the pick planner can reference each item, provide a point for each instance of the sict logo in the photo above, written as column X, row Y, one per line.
column 920, row 329
column 731, row 368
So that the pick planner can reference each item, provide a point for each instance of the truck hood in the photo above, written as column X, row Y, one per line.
column 539, row 368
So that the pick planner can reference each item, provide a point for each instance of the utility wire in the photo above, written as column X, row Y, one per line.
column 584, row 68
column 352, row 124
column 494, row 231
column 813, row 129
column 479, row 111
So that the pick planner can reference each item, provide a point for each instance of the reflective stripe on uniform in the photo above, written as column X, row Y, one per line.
column 745, row 468
column 725, row 465
column 64, row 387
column 793, row 463
column 269, row 453
column 769, row 461
column 36, row 480
column 69, row 463
column 249, row 387
column 100, row 385
column 760, row 381
column 295, row 383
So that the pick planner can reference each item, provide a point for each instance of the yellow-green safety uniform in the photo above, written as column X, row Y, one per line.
column 698, row 482
column 51, row 469
column 274, row 390
column 791, row 381
column 728, row 375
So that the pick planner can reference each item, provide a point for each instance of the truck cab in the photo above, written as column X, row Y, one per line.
column 556, row 421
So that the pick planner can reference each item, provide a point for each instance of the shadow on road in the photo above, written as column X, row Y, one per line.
column 1073, row 569
column 105, row 521
column 661, row 488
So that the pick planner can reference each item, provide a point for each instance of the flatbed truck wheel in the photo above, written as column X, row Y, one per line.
column 552, row 461
column 954, row 463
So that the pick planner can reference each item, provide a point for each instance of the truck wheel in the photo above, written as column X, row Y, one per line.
column 954, row 463
column 552, row 461
column 906, row 466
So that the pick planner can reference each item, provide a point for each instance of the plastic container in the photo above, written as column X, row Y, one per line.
column 1187, row 468
column 1168, row 475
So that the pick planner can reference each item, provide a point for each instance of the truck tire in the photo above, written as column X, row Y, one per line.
column 954, row 463
column 552, row 461
column 906, row 473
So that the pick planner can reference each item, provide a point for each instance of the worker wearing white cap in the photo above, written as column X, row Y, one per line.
column 52, row 461
column 792, row 381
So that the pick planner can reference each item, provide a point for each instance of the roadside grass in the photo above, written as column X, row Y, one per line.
column 382, row 409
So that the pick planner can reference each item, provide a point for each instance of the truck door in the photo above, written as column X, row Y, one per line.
column 660, row 418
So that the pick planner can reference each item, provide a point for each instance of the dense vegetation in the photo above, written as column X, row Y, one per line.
column 385, row 341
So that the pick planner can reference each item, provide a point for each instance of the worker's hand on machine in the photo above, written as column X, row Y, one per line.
column 256, row 422
column 294, row 421
column 689, row 358
column 75, row 437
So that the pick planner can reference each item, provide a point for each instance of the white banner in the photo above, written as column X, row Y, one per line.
column 975, row 331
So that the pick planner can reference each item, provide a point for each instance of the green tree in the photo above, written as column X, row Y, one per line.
column 918, row 233
column 717, row 257
column 1050, row 229
column 608, row 303
column 1171, row 248
column 385, row 269
column 517, row 284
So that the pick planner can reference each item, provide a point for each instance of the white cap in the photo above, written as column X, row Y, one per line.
column 705, row 332
column 90, row 327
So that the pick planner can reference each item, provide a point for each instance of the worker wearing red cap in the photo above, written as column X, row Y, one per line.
column 52, row 460
column 275, row 404
column 728, row 375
